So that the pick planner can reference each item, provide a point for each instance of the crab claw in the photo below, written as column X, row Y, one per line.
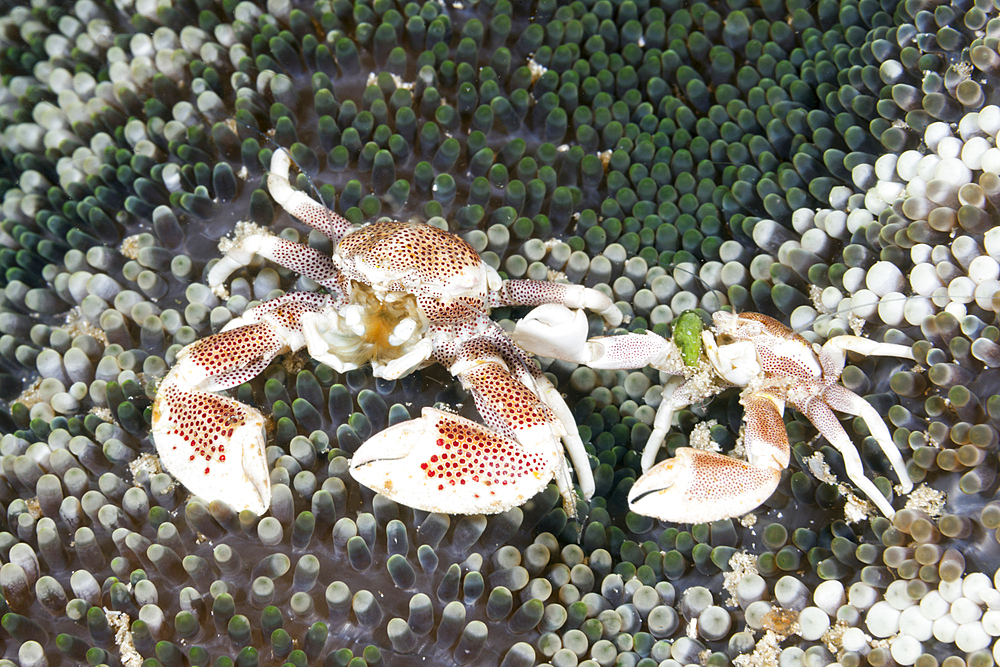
column 445, row 463
column 697, row 486
column 553, row 330
column 212, row 444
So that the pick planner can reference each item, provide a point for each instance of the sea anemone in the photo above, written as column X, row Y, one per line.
column 831, row 164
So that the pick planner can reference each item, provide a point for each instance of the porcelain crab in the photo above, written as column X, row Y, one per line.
column 399, row 295
column 774, row 365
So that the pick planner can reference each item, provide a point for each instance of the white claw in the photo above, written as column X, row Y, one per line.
column 240, row 476
column 553, row 330
column 697, row 486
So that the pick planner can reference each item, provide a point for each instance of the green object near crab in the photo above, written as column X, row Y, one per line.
column 687, row 336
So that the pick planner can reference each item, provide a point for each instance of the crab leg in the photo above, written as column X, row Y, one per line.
column 663, row 421
column 301, row 205
column 509, row 407
column 553, row 330
column 445, row 463
column 698, row 486
column 838, row 397
column 538, row 292
column 843, row 399
column 211, row 443
column 832, row 354
column 826, row 422
column 571, row 438
column 527, row 371
column 299, row 258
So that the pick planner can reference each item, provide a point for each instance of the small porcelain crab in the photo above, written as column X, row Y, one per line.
column 774, row 365
column 399, row 295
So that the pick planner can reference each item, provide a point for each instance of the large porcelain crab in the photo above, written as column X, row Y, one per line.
column 400, row 295
column 773, row 364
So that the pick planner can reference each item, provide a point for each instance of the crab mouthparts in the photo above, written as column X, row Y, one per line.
column 375, row 328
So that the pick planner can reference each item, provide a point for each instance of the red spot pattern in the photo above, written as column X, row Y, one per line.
column 771, row 327
column 509, row 400
column 234, row 349
column 304, row 260
column 722, row 479
column 455, row 311
column 432, row 254
column 426, row 255
column 529, row 293
column 775, row 366
column 766, row 436
column 204, row 421
column 477, row 455
column 636, row 349
column 764, row 332
column 323, row 220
